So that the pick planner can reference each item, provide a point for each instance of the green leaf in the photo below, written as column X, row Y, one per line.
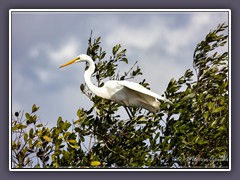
column 79, row 113
column 66, row 126
column 210, row 105
column 18, row 126
column 189, row 96
column 202, row 142
column 98, row 39
column 72, row 136
column 75, row 146
column 36, row 143
column 48, row 139
column 34, row 108
column 27, row 115
column 125, row 60
column 103, row 54
column 214, row 123
column 25, row 137
column 95, row 163
column 59, row 122
column 31, row 133
column 157, row 136
column 116, row 48
column 216, row 110
column 73, row 141
column 66, row 134
column 13, row 144
column 39, row 125
column 206, row 115
column 222, row 128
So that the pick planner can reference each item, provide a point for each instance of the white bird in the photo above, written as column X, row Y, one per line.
column 123, row 92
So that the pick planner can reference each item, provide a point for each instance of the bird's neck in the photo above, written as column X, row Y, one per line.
column 87, row 76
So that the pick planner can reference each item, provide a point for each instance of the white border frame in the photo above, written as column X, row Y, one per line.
column 111, row 11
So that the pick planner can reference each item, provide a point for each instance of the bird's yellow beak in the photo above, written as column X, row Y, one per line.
column 70, row 62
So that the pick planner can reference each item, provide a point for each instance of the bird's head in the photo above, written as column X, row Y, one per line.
column 80, row 58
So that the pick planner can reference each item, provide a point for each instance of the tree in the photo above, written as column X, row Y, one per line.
column 192, row 132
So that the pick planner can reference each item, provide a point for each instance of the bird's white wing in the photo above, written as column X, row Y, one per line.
column 139, row 88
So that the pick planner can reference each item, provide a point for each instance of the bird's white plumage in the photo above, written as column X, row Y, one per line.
column 126, row 93
column 137, row 87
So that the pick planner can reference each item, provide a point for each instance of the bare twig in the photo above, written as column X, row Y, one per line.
column 131, row 68
column 90, row 142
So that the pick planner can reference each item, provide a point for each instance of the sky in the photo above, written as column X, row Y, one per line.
column 162, row 42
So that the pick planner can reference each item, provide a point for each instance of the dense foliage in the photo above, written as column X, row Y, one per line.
column 192, row 132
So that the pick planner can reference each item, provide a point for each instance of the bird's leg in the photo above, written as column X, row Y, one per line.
column 126, row 108
column 127, row 112
column 131, row 112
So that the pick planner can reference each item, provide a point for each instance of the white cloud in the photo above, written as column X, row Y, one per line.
column 159, row 32
column 178, row 39
column 43, row 74
column 67, row 50
column 52, row 57
column 34, row 52
column 140, row 37
column 132, row 37
column 199, row 25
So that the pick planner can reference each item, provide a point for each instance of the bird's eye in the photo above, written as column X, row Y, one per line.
column 77, row 58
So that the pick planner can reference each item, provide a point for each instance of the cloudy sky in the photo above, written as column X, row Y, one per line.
column 161, row 42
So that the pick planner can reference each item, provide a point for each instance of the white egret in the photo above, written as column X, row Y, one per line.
column 123, row 92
